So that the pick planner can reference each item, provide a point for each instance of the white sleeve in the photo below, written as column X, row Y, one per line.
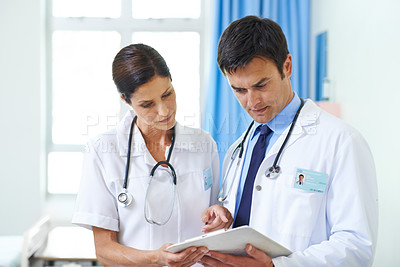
column 215, row 172
column 351, row 212
column 95, row 204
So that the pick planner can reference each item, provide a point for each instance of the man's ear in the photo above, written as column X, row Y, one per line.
column 287, row 66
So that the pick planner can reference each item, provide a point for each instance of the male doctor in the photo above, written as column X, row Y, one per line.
column 332, row 218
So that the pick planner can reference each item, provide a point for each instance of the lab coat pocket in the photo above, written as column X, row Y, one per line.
column 296, row 211
column 193, row 200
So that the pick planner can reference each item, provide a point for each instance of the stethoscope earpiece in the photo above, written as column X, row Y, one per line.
column 125, row 198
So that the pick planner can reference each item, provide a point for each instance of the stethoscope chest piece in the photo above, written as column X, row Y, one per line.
column 273, row 172
column 125, row 198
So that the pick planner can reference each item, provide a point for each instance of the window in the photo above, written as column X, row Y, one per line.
column 82, row 42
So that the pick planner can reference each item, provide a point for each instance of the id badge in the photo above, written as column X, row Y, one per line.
column 310, row 181
column 207, row 178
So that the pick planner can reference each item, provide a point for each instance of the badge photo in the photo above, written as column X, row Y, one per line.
column 311, row 181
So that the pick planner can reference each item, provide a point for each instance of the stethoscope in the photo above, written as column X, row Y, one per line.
column 271, row 172
column 125, row 198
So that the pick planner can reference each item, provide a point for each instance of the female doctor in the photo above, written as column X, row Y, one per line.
column 146, row 183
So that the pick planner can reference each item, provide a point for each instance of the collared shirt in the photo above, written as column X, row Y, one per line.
column 278, row 125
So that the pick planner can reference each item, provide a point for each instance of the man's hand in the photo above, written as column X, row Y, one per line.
column 255, row 258
column 186, row 258
column 216, row 217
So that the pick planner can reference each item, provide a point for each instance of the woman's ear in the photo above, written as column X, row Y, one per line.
column 123, row 99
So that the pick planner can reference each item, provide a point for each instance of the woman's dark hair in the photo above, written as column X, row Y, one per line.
column 251, row 37
column 134, row 66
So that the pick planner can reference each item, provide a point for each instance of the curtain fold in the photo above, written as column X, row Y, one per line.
column 320, row 66
column 224, row 118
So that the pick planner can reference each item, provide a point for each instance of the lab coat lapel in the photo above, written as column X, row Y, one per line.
column 308, row 116
column 230, row 203
column 123, row 128
column 138, row 145
column 306, row 122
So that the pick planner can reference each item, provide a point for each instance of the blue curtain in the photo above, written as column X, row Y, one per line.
column 224, row 118
column 320, row 65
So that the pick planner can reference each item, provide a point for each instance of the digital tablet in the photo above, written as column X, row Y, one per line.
column 234, row 241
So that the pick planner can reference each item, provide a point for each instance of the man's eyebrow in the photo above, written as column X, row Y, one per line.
column 261, row 82
column 257, row 84
column 236, row 88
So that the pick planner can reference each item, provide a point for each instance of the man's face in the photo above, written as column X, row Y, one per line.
column 260, row 88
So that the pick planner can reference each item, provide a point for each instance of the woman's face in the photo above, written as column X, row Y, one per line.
column 155, row 104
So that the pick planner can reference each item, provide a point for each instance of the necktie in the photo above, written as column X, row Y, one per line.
column 243, row 214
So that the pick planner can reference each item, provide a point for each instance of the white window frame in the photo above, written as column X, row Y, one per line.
column 125, row 25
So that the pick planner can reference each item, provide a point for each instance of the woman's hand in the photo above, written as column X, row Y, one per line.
column 188, row 257
column 216, row 217
column 110, row 253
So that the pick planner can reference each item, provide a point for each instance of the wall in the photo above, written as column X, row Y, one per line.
column 363, row 66
column 20, row 112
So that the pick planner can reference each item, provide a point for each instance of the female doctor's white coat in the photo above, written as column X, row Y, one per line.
column 334, row 228
column 194, row 154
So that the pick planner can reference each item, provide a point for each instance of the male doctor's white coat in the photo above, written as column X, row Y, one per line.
column 334, row 228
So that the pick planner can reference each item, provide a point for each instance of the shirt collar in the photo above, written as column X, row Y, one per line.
column 185, row 137
column 284, row 118
column 123, row 128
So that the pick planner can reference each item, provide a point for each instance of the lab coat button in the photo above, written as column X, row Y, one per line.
column 258, row 187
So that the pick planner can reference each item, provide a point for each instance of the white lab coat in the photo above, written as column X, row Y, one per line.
column 337, row 228
column 103, row 176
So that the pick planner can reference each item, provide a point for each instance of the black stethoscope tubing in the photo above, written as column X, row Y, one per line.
column 274, row 165
column 271, row 172
column 289, row 134
column 165, row 162
column 128, row 155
